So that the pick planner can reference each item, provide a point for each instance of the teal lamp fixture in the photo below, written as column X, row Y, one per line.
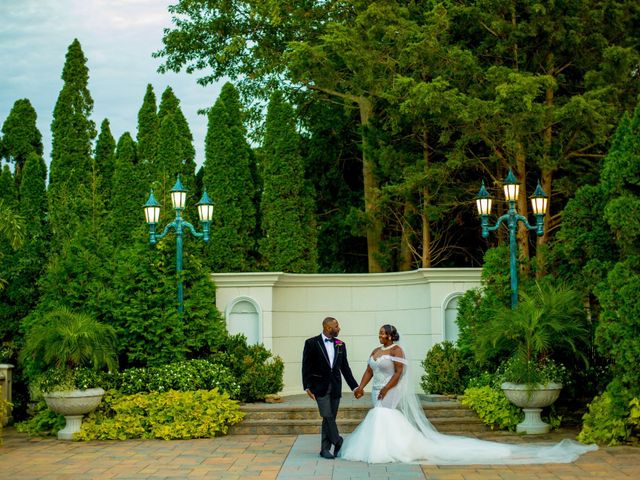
column 178, row 200
column 539, row 203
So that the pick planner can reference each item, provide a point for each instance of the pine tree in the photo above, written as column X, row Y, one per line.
column 104, row 160
column 289, row 240
column 129, row 190
column 20, row 136
column 148, row 131
column 71, row 178
column 229, row 183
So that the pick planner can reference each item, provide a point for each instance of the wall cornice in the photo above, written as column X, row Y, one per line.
column 269, row 279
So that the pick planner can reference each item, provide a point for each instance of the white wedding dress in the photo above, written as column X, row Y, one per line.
column 396, row 430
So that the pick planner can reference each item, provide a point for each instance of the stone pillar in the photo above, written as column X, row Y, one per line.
column 5, row 387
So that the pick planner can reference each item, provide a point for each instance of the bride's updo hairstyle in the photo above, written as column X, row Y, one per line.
column 391, row 331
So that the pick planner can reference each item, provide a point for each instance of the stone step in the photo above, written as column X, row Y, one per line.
column 311, row 413
column 288, row 419
column 298, row 427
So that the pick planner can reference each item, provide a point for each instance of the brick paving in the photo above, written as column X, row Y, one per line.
column 278, row 457
column 283, row 457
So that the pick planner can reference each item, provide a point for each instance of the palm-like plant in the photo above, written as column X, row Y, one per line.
column 548, row 320
column 68, row 340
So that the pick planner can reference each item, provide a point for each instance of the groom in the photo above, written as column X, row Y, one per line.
column 324, row 358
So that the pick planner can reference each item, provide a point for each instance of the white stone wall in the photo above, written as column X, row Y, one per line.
column 290, row 308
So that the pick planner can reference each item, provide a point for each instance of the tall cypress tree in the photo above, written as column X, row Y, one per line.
column 25, row 267
column 105, row 159
column 129, row 190
column 8, row 189
column 148, row 131
column 20, row 136
column 168, row 164
column 170, row 106
column 228, row 180
column 289, row 240
column 72, row 133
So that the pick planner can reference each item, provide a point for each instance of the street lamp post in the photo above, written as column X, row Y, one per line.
column 178, row 200
column 539, row 202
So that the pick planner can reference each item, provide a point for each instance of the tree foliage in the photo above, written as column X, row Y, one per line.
column 72, row 132
column 21, row 136
column 229, row 181
column 105, row 159
column 287, row 211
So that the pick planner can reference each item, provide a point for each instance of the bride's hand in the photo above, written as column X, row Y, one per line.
column 383, row 393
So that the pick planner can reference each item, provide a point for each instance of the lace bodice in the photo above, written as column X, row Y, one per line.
column 383, row 370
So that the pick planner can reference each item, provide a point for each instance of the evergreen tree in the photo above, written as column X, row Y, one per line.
column 331, row 163
column 129, row 190
column 144, row 311
column 8, row 209
column 104, row 160
column 617, row 331
column 70, row 182
column 170, row 106
column 229, row 183
column 26, row 267
column 168, row 165
column 8, row 188
column 288, row 224
column 148, row 131
column 20, row 136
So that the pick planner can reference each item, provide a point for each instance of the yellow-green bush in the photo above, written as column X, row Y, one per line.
column 492, row 407
column 606, row 423
column 168, row 415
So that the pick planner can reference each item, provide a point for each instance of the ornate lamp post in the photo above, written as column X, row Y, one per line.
column 178, row 199
column 539, row 202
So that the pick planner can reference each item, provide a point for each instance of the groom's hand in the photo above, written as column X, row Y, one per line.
column 358, row 392
column 310, row 393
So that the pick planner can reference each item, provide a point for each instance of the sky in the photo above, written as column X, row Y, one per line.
column 117, row 38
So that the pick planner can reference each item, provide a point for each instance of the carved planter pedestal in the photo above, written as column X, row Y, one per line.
column 73, row 405
column 532, row 399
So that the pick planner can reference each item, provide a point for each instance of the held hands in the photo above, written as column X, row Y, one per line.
column 358, row 392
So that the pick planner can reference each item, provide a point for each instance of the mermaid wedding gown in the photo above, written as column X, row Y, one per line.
column 396, row 430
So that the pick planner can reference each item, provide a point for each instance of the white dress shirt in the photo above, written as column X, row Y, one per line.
column 330, row 347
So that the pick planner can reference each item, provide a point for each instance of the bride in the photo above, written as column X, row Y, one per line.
column 396, row 429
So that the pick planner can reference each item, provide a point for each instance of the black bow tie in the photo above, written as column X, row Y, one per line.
column 329, row 340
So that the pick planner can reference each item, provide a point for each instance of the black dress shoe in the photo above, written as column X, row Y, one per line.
column 327, row 454
column 338, row 446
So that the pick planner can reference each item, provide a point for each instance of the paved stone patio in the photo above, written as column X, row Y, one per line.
column 266, row 457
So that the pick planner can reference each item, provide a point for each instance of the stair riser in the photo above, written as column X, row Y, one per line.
column 352, row 415
column 310, row 429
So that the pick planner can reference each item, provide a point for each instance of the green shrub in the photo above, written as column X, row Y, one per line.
column 180, row 376
column 259, row 373
column 43, row 422
column 167, row 415
column 634, row 417
column 4, row 410
column 605, row 423
column 532, row 372
column 444, row 370
column 492, row 407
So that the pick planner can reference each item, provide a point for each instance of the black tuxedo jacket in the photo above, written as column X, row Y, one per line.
column 318, row 375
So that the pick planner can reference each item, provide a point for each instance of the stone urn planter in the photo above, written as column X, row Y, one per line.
column 73, row 404
column 532, row 399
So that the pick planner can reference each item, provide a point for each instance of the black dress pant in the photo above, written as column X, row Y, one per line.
column 328, row 407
